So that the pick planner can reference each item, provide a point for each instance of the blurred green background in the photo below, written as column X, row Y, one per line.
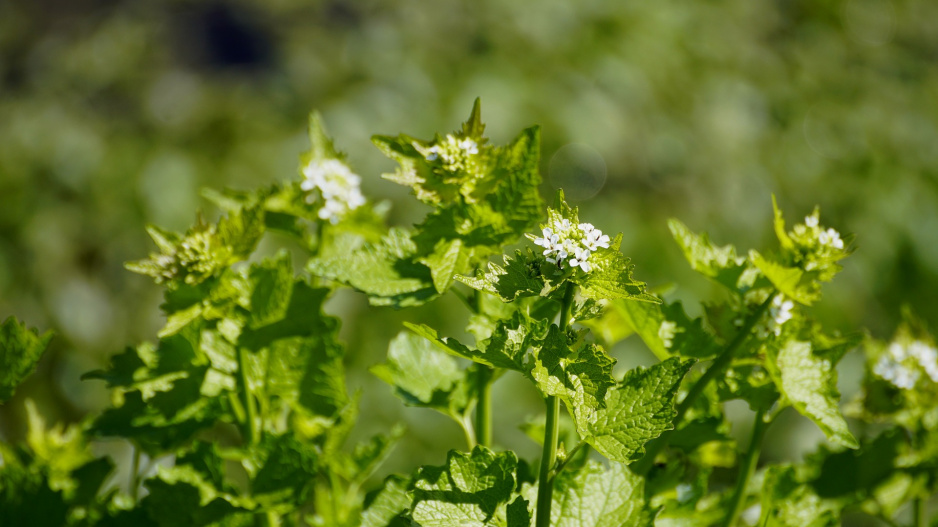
column 114, row 113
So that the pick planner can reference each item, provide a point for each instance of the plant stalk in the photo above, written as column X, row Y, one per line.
column 717, row 367
column 747, row 469
column 483, row 417
column 135, row 475
column 545, row 483
column 919, row 512
column 253, row 434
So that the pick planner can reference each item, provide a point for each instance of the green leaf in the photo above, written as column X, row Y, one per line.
column 469, row 490
column 720, row 264
column 856, row 473
column 600, row 497
column 790, row 281
column 611, row 277
column 204, row 251
column 506, row 347
column 271, row 287
column 446, row 260
column 387, row 504
column 386, row 271
column 321, row 145
column 421, row 374
column 521, row 276
column 787, row 502
column 287, row 473
column 517, row 513
column 809, row 384
column 666, row 329
column 636, row 410
column 20, row 350
column 182, row 496
column 580, row 378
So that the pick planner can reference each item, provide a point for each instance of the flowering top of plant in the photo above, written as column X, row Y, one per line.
column 903, row 363
column 337, row 184
column 481, row 197
column 567, row 244
column 572, row 252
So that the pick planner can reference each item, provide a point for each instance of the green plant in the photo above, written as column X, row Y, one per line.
column 245, row 394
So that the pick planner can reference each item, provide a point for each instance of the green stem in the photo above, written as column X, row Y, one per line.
column 717, row 367
column 483, row 422
column 252, row 434
column 566, row 460
column 919, row 512
column 545, row 483
column 747, row 469
column 135, row 475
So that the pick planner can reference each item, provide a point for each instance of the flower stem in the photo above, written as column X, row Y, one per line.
column 717, row 367
column 545, row 483
column 483, row 417
column 747, row 469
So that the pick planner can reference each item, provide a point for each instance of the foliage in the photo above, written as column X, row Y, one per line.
column 245, row 388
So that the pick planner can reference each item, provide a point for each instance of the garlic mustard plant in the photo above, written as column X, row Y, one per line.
column 237, row 414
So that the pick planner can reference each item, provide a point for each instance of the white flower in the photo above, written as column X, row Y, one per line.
column 433, row 153
column 580, row 259
column 469, row 146
column 832, row 238
column 593, row 237
column 780, row 312
column 899, row 365
column 548, row 240
column 562, row 238
column 811, row 221
column 338, row 185
column 666, row 333
column 926, row 356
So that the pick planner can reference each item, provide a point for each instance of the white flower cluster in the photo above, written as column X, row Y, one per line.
column 666, row 332
column 563, row 239
column 811, row 227
column 898, row 364
column 452, row 150
column 780, row 312
column 339, row 187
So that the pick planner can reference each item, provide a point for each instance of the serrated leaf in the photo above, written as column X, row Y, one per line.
column 287, row 473
column 611, row 277
column 637, row 409
column 666, row 329
column 721, row 264
column 521, row 276
column 446, row 260
column 790, row 281
column 182, row 496
column 809, row 384
column 469, row 490
column 506, row 347
column 386, row 271
column 421, row 374
column 580, row 378
column 387, row 505
column 20, row 350
column 271, row 287
column 601, row 497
